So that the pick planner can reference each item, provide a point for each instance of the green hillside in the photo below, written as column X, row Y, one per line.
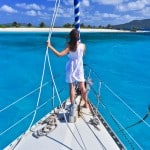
column 134, row 25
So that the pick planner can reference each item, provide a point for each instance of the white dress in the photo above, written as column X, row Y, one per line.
column 74, row 66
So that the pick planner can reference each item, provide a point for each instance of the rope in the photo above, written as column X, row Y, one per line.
column 115, row 120
column 49, row 36
column 57, row 3
column 120, row 125
column 61, row 103
column 80, row 136
column 30, row 93
column 113, row 93
column 138, row 122
column 118, row 97
column 103, row 146
column 98, row 96
column 46, row 55
column 18, row 100
column 39, row 92
column 39, row 107
column 126, row 132
column 52, row 24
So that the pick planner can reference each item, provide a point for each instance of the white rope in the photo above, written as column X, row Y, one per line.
column 39, row 92
column 113, row 115
column 50, row 31
column 125, row 131
column 46, row 55
column 18, row 100
column 16, row 123
column 80, row 137
column 98, row 96
column 24, row 117
column 101, row 143
column 57, row 3
column 61, row 103
column 118, row 97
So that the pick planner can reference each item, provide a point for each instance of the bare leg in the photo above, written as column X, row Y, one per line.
column 83, row 92
column 72, row 92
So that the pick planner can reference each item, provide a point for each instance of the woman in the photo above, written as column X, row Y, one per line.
column 74, row 66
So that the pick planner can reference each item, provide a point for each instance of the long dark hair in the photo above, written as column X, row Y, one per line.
column 74, row 37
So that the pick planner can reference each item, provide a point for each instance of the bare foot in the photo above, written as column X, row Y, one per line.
column 86, row 105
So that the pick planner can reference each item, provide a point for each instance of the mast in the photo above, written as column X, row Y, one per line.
column 77, row 15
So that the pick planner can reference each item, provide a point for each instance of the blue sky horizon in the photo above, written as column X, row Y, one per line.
column 92, row 12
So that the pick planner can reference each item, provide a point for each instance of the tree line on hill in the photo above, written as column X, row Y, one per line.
column 133, row 25
column 17, row 25
column 42, row 24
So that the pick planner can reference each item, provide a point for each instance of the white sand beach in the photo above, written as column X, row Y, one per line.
column 56, row 30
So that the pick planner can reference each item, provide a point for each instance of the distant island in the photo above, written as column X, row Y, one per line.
column 134, row 25
column 131, row 26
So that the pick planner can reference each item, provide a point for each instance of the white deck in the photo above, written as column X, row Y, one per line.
column 62, row 139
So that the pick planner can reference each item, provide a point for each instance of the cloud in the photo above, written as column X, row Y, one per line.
column 145, row 12
column 8, row 9
column 68, row 2
column 108, row 15
column 35, row 13
column 98, row 15
column 68, row 12
column 32, row 6
column 85, row 3
column 31, row 13
column 128, row 18
column 82, row 2
column 107, row 2
column 132, row 6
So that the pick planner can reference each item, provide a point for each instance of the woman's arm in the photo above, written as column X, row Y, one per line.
column 59, row 54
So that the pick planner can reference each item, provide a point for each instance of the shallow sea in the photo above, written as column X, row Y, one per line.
column 121, row 60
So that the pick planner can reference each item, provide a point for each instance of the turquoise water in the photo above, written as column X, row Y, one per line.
column 121, row 60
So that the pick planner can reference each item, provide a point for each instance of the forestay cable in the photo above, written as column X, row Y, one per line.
column 46, row 55
column 41, row 83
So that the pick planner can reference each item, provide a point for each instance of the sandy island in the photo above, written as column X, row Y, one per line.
column 57, row 30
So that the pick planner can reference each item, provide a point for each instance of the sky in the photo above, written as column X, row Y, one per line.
column 92, row 12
